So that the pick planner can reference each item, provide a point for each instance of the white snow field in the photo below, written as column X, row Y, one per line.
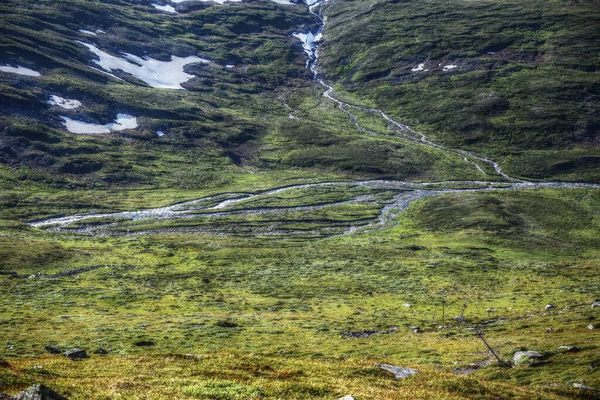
column 167, row 8
column 19, row 70
column 123, row 121
column 67, row 104
column 156, row 73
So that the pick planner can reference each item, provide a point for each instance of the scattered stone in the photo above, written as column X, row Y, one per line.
column 527, row 357
column 549, row 307
column 367, row 333
column 144, row 343
column 580, row 386
column 596, row 303
column 407, row 305
column 416, row 329
column 38, row 392
column 75, row 354
column 399, row 372
column 226, row 324
column 592, row 326
column 100, row 351
column 549, row 330
column 349, row 397
column 490, row 310
column 591, row 367
column 52, row 349
column 568, row 349
column 359, row 334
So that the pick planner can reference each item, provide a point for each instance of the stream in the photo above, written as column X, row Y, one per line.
column 398, row 194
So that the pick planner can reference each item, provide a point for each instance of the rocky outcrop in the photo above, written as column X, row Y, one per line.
column 527, row 357
column 399, row 372
column 75, row 354
column 38, row 392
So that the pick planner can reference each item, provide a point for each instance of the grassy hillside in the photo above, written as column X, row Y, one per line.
column 524, row 88
column 294, row 305
column 250, row 263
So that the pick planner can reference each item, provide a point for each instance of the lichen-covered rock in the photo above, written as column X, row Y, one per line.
column 39, row 392
column 527, row 357
column 399, row 372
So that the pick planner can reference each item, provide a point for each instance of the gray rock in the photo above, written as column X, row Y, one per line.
column 592, row 326
column 52, row 349
column 596, row 304
column 580, row 386
column 568, row 349
column 39, row 392
column 75, row 354
column 349, row 397
column 100, row 351
column 527, row 357
column 399, row 372
column 549, row 307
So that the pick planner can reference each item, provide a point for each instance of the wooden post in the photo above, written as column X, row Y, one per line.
column 443, row 311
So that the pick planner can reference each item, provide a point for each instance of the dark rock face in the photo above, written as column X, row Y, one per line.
column 38, row 392
column 75, row 354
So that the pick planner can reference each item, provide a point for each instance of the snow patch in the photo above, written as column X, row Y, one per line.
column 447, row 68
column 167, row 8
column 123, row 121
column 158, row 74
column 87, row 32
column 230, row 66
column 420, row 67
column 19, row 70
column 67, row 104
column 214, row 1
column 160, row 133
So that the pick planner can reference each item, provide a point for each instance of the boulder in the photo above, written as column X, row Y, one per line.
column 527, row 357
column 568, row 349
column 52, row 349
column 39, row 392
column 549, row 307
column 580, row 386
column 399, row 372
column 75, row 354
column 596, row 303
column 100, row 351
column 592, row 326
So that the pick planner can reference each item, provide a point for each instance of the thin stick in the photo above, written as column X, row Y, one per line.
column 479, row 334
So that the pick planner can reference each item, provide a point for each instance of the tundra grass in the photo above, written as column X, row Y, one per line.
column 291, row 301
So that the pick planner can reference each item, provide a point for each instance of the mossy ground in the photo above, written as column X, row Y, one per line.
column 256, row 309
column 243, row 316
